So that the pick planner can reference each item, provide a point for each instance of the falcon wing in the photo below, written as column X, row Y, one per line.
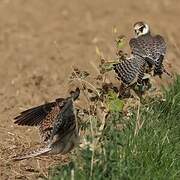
column 136, row 47
column 148, row 47
column 160, row 44
column 34, row 116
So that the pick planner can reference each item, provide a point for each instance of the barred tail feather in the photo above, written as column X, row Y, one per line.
column 129, row 69
column 35, row 153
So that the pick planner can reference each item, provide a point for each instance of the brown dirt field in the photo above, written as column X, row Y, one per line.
column 40, row 40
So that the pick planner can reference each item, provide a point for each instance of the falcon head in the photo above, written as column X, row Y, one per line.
column 141, row 28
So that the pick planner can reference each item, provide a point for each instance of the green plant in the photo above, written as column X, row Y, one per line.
column 153, row 153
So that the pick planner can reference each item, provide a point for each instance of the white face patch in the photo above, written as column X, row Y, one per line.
column 141, row 29
column 145, row 29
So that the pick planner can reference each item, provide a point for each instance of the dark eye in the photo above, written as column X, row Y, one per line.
column 141, row 28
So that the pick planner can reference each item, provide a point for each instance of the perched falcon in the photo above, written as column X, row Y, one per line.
column 147, row 52
column 151, row 48
column 57, row 125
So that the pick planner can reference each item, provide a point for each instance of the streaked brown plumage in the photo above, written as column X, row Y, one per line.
column 57, row 125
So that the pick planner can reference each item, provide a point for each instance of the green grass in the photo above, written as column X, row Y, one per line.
column 154, row 153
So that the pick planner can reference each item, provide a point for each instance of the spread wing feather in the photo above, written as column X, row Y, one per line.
column 34, row 116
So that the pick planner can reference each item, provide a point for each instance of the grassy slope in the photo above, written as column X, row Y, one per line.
column 154, row 153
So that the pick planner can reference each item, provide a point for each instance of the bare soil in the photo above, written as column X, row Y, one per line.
column 40, row 42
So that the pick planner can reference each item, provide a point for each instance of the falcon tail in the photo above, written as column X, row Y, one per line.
column 35, row 153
